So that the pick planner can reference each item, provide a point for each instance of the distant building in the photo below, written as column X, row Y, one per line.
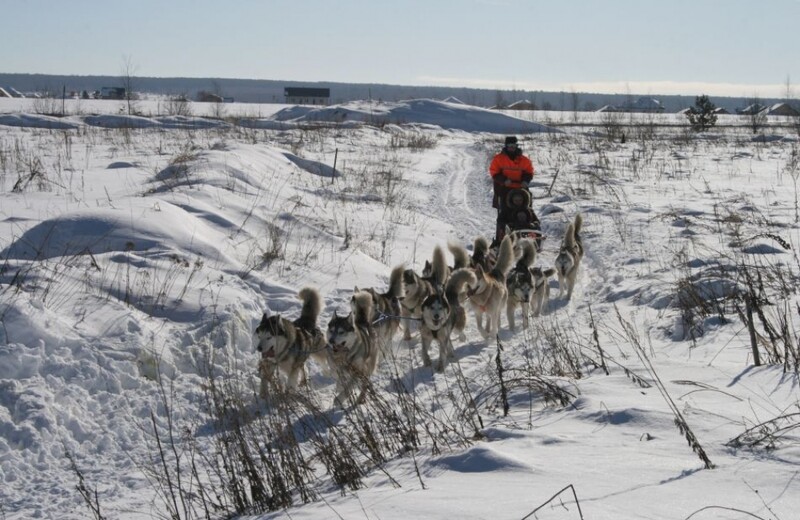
column 307, row 96
column 205, row 96
column 720, row 110
column 644, row 104
column 3, row 93
column 112, row 93
column 522, row 104
column 782, row 109
column 750, row 110
column 453, row 99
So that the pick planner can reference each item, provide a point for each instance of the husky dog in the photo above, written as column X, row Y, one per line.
column 354, row 354
column 569, row 257
column 490, row 294
column 285, row 345
column 442, row 314
column 385, row 309
column 541, row 289
column 521, row 284
column 417, row 288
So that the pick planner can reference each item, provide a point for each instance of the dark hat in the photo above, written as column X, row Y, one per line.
column 511, row 139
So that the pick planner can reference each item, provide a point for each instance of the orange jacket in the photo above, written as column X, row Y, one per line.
column 516, row 169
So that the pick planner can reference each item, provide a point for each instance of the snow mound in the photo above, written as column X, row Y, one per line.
column 37, row 121
column 479, row 459
column 450, row 116
column 162, row 228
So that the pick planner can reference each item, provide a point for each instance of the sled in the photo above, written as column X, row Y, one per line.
column 517, row 216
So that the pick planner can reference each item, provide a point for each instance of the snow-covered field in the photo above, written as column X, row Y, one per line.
column 139, row 253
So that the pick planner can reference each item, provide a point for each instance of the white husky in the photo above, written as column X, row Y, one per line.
column 569, row 257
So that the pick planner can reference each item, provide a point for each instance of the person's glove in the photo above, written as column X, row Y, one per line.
column 507, row 182
column 526, row 184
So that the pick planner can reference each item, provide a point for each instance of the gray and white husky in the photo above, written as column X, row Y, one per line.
column 418, row 288
column 541, row 289
column 353, row 350
column 490, row 294
column 385, row 309
column 443, row 314
column 569, row 257
column 285, row 345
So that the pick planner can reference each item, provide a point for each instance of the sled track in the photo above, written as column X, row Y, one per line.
column 461, row 198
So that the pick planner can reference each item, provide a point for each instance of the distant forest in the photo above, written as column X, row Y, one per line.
column 271, row 91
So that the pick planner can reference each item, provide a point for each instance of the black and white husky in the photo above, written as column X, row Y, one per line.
column 569, row 257
column 521, row 284
column 443, row 314
column 417, row 288
column 285, row 345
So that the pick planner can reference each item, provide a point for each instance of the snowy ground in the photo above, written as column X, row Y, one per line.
column 139, row 247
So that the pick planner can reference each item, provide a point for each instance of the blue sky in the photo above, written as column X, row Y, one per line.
column 719, row 47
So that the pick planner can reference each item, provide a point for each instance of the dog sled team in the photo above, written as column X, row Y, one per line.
column 435, row 301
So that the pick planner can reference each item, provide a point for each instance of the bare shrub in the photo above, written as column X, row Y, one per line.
column 634, row 339
column 178, row 169
column 269, row 455
column 178, row 106
column 30, row 170
column 415, row 141
column 47, row 103
column 771, row 434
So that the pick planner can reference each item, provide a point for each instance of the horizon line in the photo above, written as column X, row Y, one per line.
column 612, row 88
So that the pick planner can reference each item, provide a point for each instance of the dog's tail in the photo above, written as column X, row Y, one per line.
column 569, row 238
column 362, row 309
column 480, row 248
column 528, row 257
column 460, row 255
column 312, row 306
column 395, row 289
column 455, row 285
column 578, row 223
column 505, row 260
column 578, row 226
column 439, row 267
